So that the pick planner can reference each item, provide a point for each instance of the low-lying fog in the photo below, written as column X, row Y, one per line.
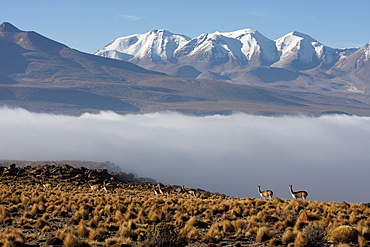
column 328, row 156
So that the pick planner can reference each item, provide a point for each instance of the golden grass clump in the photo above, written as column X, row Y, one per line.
column 214, row 234
column 263, row 234
column 193, row 221
column 366, row 232
column 279, row 226
column 40, row 223
column 97, row 234
column 239, row 225
column 227, row 226
column 189, row 232
column 300, row 240
column 124, row 231
column 82, row 229
column 4, row 214
column 344, row 234
column 288, row 236
column 361, row 241
column 154, row 217
column 72, row 240
column 289, row 221
column 300, row 224
column 12, row 237
column 303, row 216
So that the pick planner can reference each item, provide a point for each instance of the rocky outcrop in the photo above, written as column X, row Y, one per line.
column 68, row 173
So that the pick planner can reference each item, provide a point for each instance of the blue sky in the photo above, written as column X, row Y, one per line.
column 90, row 25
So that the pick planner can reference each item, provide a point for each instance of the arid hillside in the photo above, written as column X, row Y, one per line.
column 82, row 207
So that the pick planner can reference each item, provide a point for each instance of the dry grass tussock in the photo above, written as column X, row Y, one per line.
column 74, row 215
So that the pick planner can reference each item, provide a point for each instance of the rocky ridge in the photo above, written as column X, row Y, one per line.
column 68, row 174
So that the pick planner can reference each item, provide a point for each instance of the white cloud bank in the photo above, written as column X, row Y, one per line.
column 328, row 156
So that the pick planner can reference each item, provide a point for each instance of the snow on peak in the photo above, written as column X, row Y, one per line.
column 159, row 45
column 239, row 33
column 213, row 46
column 304, row 48
column 253, row 42
column 345, row 52
column 240, row 47
column 366, row 52
column 303, row 36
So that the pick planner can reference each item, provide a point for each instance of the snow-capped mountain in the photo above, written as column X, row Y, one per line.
column 161, row 47
column 223, row 55
column 228, row 50
column 217, row 52
column 300, row 52
column 255, row 45
column 157, row 46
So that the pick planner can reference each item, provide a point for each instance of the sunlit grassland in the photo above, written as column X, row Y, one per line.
column 75, row 215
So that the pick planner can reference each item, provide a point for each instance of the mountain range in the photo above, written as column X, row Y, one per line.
column 295, row 61
column 43, row 75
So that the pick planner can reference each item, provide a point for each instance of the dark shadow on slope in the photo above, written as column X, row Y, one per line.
column 41, row 43
column 6, row 94
column 275, row 74
column 11, row 59
column 154, row 89
column 103, row 61
column 275, row 98
column 173, row 98
column 4, row 79
column 188, row 72
column 80, row 98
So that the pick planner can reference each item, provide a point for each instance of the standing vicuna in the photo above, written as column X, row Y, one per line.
column 164, row 190
column 192, row 192
column 95, row 187
column 298, row 194
column 156, row 191
column 266, row 193
column 108, row 187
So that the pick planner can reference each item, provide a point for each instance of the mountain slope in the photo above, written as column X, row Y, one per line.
column 358, row 62
column 44, row 71
column 42, row 75
column 354, row 69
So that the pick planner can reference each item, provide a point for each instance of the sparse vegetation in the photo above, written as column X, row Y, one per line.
column 70, row 213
